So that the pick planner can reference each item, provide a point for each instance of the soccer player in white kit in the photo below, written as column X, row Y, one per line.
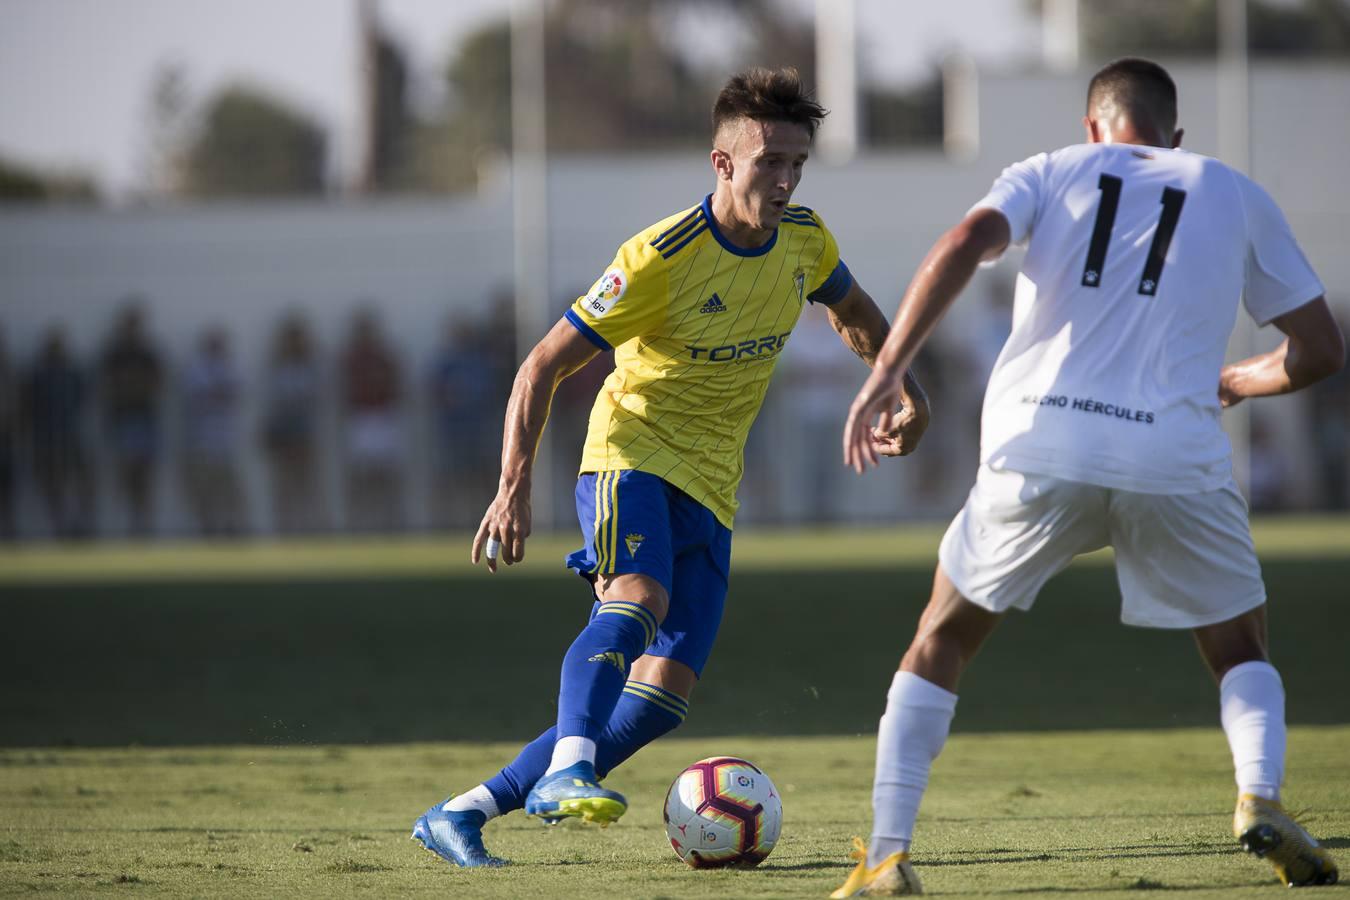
column 1101, row 427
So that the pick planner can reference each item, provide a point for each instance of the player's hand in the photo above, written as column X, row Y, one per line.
column 898, row 432
column 504, row 528
column 1228, row 396
column 874, row 425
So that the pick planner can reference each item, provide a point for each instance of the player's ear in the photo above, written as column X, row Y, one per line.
column 1176, row 137
column 1093, row 133
column 721, row 163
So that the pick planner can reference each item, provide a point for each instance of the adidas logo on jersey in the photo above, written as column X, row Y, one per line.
column 713, row 304
column 613, row 657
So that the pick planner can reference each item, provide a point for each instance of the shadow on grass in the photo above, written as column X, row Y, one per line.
column 1141, row 884
column 475, row 659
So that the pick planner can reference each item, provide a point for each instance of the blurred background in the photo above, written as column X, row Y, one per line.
column 268, row 269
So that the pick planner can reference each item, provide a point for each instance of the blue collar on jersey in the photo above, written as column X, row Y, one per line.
column 727, row 245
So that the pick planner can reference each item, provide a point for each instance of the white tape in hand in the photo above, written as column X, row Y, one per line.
column 494, row 547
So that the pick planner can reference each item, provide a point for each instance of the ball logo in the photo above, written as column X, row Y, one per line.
column 606, row 292
column 745, row 781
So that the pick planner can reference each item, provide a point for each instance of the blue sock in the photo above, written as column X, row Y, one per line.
column 510, row 786
column 644, row 713
column 596, row 666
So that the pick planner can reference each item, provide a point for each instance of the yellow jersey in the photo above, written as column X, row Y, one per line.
column 697, row 324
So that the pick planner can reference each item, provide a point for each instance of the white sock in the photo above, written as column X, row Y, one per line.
column 1251, row 707
column 570, row 750
column 480, row 798
column 911, row 735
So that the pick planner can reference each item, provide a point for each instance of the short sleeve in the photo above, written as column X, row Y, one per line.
column 629, row 300
column 1279, row 278
column 1017, row 194
column 830, row 280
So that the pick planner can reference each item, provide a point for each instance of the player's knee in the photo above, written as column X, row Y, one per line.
column 634, row 588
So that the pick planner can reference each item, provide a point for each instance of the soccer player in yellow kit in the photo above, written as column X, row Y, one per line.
column 697, row 309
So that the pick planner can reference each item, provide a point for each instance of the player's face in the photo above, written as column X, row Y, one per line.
column 763, row 166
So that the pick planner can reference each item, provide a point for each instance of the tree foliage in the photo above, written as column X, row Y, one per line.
column 621, row 78
column 20, row 183
column 248, row 143
column 1190, row 27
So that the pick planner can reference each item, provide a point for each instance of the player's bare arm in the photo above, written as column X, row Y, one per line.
column 1313, row 349
column 862, row 327
column 562, row 352
column 982, row 235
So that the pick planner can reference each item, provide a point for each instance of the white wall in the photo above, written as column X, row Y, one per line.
column 244, row 264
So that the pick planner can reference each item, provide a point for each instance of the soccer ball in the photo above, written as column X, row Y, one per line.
column 723, row 811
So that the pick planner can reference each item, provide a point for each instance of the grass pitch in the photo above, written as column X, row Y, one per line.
column 1079, row 814
column 268, row 721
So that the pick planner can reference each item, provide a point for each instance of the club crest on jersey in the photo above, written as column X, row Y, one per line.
column 606, row 292
column 799, row 281
column 634, row 541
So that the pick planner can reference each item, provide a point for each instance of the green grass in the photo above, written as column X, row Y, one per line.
column 465, row 658
column 855, row 548
column 1084, row 814
column 267, row 721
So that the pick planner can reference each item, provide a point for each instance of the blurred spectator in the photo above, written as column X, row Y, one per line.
column 569, row 421
column 995, row 326
column 9, row 438
column 821, row 374
column 938, row 458
column 1269, row 468
column 290, row 430
column 372, row 431
column 130, row 378
column 1330, row 401
column 54, row 399
column 210, row 422
column 501, row 341
column 466, row 419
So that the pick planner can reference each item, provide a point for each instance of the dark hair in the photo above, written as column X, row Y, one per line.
column 767, row 95
column 1140, row 88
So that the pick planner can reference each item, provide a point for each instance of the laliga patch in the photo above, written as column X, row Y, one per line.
column 606, row 292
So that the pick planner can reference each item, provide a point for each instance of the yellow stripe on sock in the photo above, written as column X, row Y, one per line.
column 625, row 609
column 647, row 615
column 659, row 691
column 674, row 702
column 656, row 701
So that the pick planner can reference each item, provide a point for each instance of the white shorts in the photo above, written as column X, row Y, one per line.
column 1182, row 560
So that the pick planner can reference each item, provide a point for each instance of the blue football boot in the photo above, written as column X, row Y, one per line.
column 456, row 837
column 574, row 791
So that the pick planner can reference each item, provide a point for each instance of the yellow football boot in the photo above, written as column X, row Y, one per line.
column 1266, row 830
column 892, row 877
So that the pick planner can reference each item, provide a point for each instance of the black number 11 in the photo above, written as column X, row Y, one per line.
column 1172, row 200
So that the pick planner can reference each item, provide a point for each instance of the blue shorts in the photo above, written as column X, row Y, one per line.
column 637, row 523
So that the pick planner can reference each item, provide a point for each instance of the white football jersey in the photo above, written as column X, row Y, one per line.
column 1135, row 261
